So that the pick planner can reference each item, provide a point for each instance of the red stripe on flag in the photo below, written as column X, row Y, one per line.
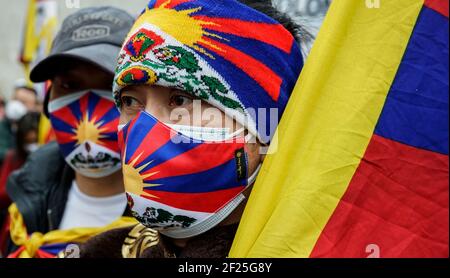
column 102, row 107
column 83, row 102
column 131, row 124
column 65, row 137
column 50, row 136
column 261, row 73
column 441, row 6
column 397, row 202
column 158, row 136
column 199, row 202
column 120, row 143
column 175, row 3
column 16, row 254
column 273, row 34
column 191, row 166
column 160, row 2
column 40, row 254
column 110, row 144
column 65, row 115
column 110, row 127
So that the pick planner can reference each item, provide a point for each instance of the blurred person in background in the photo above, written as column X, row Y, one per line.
column 26, row 94
column 26, row 142
column 26, row 139
column 23, row 100
column 72, row 189
column 2, row 107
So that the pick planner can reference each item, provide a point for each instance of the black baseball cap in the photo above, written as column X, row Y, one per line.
column 94, row 35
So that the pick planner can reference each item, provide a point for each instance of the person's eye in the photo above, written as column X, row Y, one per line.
column 69, row 86
column 180, row 100
column 130, row 103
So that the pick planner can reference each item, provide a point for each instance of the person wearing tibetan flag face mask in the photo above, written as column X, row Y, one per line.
column 189, row 75
column 73, row 189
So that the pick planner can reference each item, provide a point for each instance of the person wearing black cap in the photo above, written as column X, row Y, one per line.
column 76, row 182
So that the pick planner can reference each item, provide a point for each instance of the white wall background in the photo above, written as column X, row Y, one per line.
column 12, row 20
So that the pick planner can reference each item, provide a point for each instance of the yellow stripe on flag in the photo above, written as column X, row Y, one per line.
column 32, row 37
column 45, row 130
column 29, row 44
column 326, row 128
column 33, row 242
column 36, row 36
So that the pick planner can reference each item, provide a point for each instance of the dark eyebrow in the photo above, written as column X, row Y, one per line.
column 178, row 91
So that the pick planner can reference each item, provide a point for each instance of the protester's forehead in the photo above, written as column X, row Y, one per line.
column 25, row 91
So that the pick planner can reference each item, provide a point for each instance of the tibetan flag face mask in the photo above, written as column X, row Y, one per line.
column 180, row 185
column 85, row 126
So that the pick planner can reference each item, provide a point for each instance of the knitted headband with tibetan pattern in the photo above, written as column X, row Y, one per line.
column 221, row 51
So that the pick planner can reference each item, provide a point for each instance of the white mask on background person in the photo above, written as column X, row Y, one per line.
column 15, row 110
column 31, row 148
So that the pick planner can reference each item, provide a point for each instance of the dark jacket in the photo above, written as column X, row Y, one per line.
column 214, row 244
column 6, row 139
column 40, row 190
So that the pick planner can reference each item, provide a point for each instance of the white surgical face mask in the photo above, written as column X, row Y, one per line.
column 31, row 148
column 15, row 110
column 207, row 134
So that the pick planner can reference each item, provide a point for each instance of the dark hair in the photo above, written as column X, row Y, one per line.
column 266, row 7
column 29, row 122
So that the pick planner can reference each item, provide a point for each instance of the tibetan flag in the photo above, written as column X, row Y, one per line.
column 362, row 165
column 54, row 243
column 40, row 29
column 46, row 133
